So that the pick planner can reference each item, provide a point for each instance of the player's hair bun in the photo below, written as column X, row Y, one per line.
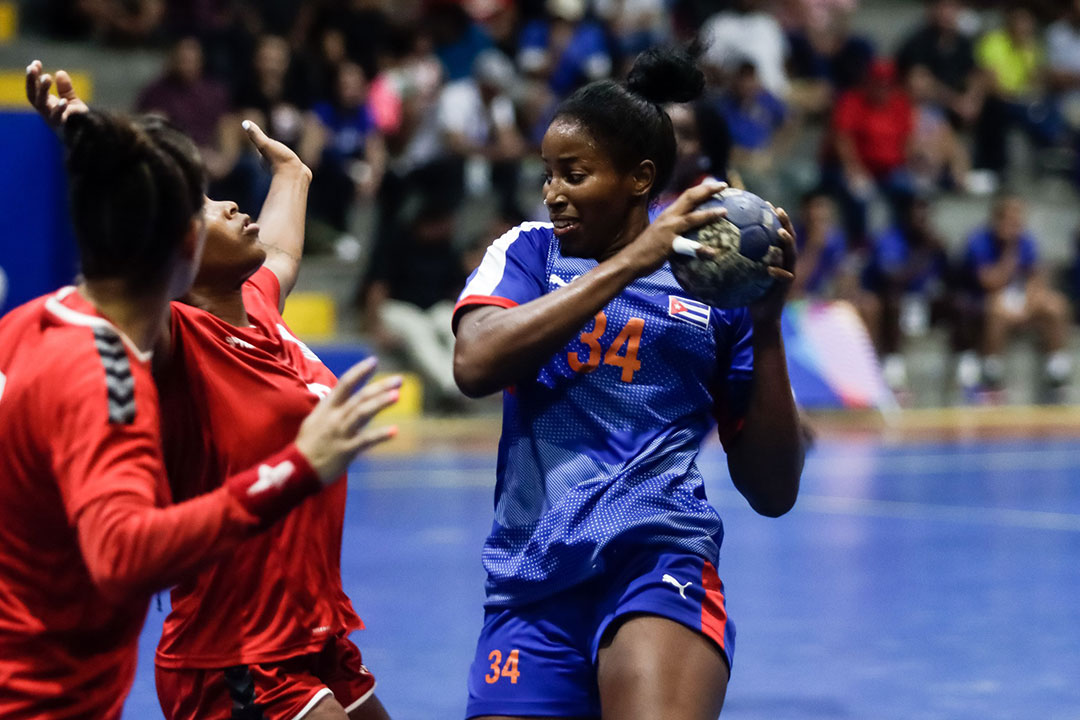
column 135, row 184
column 664, row 75
column 100, row 145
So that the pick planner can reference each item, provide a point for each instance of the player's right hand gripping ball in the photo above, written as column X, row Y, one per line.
column 747, row 244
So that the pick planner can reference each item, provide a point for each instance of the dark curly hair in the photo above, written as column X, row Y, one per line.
column 629, row 120
column 135, row 183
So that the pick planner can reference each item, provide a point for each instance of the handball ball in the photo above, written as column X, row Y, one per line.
column 747, row 241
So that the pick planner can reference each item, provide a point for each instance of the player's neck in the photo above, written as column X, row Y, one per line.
column 636, row 222
column 138, row 316
column 227, row 305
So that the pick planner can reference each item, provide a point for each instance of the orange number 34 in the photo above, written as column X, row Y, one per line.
column 629, row 337
column 499, row 670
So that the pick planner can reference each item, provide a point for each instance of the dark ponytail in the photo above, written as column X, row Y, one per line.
column 135, row 184
column 629, row 120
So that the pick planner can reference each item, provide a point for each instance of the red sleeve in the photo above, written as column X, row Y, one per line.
column 132, row 546
column 112, row 482
column 265, row 284
column 846, row 114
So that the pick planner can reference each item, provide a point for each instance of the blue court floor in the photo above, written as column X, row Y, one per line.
column 912, row 581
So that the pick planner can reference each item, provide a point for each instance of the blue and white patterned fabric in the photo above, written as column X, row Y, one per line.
column 597, row 454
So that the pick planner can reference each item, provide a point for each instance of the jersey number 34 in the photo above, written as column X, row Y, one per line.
column 629, row 337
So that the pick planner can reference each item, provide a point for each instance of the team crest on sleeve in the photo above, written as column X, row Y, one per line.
column 690, row 311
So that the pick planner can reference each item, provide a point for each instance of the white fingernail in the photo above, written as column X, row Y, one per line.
column 246, row 124
column 685, row 246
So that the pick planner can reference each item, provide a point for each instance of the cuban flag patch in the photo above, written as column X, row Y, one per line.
column 690, row 311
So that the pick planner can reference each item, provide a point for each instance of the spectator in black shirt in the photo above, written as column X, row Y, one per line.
column 412, row 284
column 949, row 55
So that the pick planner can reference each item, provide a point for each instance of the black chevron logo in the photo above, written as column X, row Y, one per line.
column 119, row 382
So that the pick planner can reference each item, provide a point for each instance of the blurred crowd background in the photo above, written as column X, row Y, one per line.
column 928, row 151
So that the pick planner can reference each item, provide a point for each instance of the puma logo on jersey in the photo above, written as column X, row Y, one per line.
column 691, row 311
column 237, row 342
column 272, row 476
column 559, row 282
column 672, row 581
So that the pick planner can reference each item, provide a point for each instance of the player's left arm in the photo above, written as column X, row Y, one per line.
column 766, row 457
column 281, row 222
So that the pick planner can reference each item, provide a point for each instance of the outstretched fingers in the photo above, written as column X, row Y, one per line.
column 698, row 218
column 370, row 401
column 692, row 197
column 787, row 241
column 371, row 437
column 353, row 378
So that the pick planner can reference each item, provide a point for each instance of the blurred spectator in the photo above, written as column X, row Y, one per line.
column 272, row 95
column 1007, row 290
column 805, row 15
column 1063, row 64
column 565, row 48
column 226, row 29
column 479, row 123
column 120, row 22
column 1013, row 59
column 404, row 101
column 871, row 130
column 361, row 26
column 500, row 19
column 938, row 159
column 702, row 146
column 1074, row 277
column 636, row 24
column 824, row 266
column 941, row 47
column 747, row 32
column 755, row 118
column 354, row 154
column 411, row 287
column 193, row 103
column 826, row 59
column 905, row 279
column 458, row 38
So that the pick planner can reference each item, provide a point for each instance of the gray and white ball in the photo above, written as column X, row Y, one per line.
column 748, row 243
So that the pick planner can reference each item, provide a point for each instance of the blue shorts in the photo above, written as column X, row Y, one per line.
column 540, row 659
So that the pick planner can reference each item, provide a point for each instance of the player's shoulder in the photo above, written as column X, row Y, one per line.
column 538, row 234
column 262, row 292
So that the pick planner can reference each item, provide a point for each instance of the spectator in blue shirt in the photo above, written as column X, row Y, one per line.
column 823, row 251
column 1005, row 282
column 905, row 280
column 565, row 47
column 354, row 155
column 757, row 121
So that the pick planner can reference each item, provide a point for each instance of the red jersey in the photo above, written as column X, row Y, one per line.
column 880, row 132
column 84, row 539
column 231, row 395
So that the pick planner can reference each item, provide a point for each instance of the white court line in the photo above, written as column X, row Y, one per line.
column 826, row 463
column 825, row 504
column 905, row 510
column 937, row 463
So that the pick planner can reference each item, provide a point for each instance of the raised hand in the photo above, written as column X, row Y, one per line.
column 277, row 154
column 769, row 307
column 656, row 243
column 336, row 430
column 55, row 109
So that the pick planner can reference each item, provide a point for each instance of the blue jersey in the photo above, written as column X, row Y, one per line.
column 598, row 449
